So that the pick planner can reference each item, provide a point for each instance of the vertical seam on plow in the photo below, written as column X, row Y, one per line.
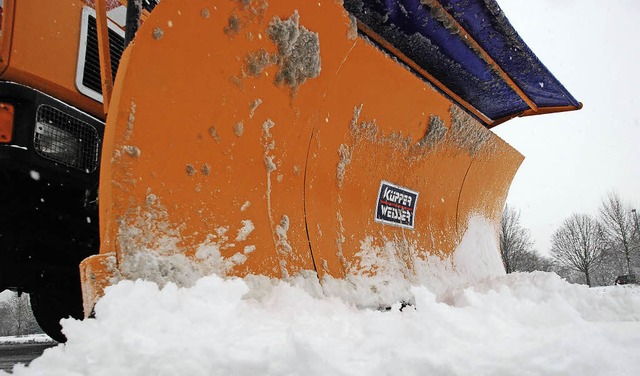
column 460, row 194
column 304, row 202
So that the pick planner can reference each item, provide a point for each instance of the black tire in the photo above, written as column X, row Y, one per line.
column 56, row 302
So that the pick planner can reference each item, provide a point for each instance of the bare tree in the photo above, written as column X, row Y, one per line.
column 531, row 261
column 635, row 260
column 516, row 245
column 618, row 223
column 579, row 244
column 6, row 313
column 16, row 317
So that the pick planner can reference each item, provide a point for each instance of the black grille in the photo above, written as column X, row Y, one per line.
column 148, row 5
column 91, row 75
column 65, row 139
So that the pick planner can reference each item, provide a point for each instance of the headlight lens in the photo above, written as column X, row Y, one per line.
column 66, row 139
column 57, row 144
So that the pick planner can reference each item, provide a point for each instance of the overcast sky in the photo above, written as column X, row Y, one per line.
column 573, row 159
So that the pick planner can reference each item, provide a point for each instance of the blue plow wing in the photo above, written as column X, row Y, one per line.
column 469, row 50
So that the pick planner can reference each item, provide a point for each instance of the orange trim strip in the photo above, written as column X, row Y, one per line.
column 540, row 111
column 7, row 34
column 6, row 122
column 405, row 59
column 105, row 53
column 550, row 110
column 483, row 54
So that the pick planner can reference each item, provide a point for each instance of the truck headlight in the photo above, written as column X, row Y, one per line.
column 57, row 144
column 65, row 139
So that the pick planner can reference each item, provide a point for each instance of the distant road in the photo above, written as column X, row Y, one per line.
column 11, row 354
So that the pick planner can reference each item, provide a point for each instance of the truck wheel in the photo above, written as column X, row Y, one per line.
column 54, row 303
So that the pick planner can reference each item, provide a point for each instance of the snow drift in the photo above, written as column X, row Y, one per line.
column 472, row 319
column 533, row 324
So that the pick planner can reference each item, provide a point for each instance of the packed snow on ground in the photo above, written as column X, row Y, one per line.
column 518, row 324
column 29, row 338
column 5, row 295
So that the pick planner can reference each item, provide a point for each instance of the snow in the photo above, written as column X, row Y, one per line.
column 31, row 338
column 247, row 228
column 298, row 50
column 5, row 295
column 534, row 324
column 472, row 319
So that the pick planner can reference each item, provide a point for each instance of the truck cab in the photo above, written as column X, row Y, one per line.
column 51, row 129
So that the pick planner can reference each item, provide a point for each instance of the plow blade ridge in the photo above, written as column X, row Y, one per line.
column 269, row 138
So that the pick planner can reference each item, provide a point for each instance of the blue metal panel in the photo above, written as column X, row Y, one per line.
column 488, row 25
column 424, row 36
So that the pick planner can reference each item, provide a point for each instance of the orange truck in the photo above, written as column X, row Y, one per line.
column 51, row 130
column 244, row 137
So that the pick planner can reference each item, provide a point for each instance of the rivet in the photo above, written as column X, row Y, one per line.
column 157, row 33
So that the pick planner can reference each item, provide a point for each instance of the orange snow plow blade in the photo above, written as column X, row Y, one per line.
column 229, row 149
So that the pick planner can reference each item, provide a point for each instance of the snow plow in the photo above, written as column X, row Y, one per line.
column 346, row 140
